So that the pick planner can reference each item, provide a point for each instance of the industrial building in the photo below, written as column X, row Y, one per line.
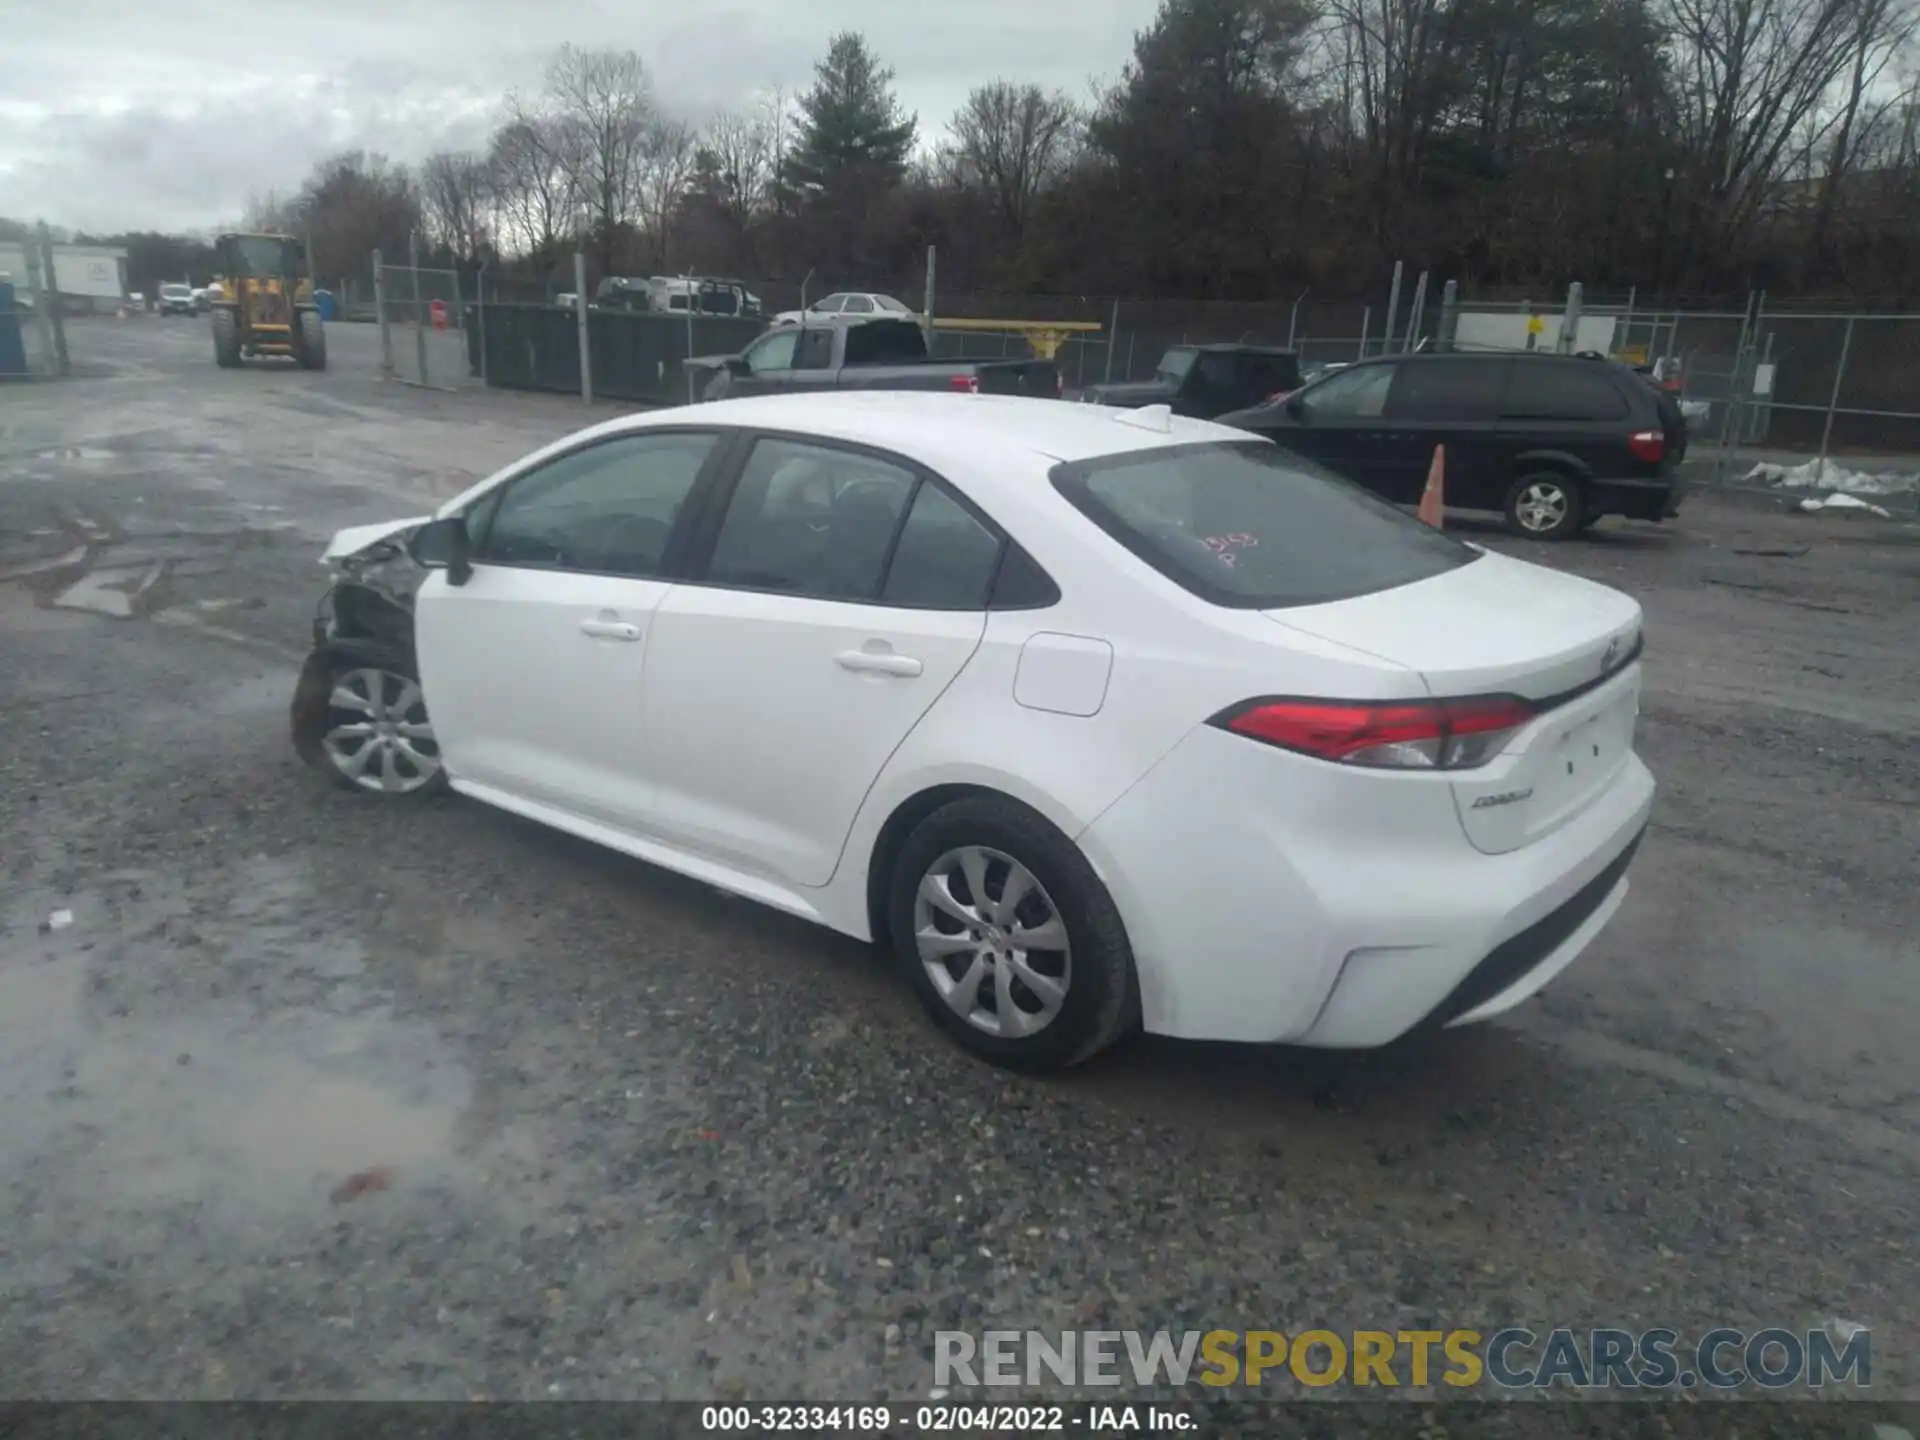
column 89, row 277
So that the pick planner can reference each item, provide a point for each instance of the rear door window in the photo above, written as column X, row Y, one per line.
column 1446, row 391
column 1359, row 394
column 1250, row 525
column 1561, row 392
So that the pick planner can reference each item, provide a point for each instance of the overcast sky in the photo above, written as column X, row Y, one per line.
column 118, row 116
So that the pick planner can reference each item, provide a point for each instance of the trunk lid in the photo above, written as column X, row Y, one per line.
column 1504, row 627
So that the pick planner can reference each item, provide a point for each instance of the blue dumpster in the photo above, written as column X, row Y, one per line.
column 13, row 349
column 323, row 302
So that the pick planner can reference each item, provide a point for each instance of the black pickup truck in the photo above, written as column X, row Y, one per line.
column 1206, row 381
column 859, row 353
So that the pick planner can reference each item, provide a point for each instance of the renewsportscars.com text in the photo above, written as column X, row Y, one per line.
column 1511, row 1358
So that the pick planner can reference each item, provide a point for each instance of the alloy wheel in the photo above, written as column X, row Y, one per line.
column 992, row 942
column 1543, row 506
column 378, row 735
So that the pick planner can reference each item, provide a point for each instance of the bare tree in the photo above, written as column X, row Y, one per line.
column 453, row 197
column 1747, row 74
column 1880, row 32
column 528, row 179
column 603, row 101
column 1014, row 139
column 741, row 150
column 776, row 115
column 664, row 166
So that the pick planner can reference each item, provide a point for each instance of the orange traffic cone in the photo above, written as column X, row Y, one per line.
column 1433, row 499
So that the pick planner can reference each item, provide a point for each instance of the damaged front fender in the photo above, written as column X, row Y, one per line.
column 359, row 538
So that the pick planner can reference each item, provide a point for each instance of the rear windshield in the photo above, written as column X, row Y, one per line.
column 885, row 342
column 1248, row 524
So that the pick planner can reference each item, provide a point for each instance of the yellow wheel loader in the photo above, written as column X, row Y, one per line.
column 263, row 302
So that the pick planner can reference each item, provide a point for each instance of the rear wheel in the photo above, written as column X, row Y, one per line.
column 1544, row 505
column 226, row 339
column 1009, row 937
column 313, row 341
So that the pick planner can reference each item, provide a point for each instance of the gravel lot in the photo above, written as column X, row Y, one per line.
column 318, row 1098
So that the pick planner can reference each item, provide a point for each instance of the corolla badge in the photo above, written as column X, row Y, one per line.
column 1510, row 797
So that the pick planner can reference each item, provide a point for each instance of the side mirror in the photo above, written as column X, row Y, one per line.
column 737, row 365
column 1296, row 407
column 443, row 545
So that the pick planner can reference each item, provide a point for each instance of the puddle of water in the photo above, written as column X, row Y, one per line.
column 238, row 1115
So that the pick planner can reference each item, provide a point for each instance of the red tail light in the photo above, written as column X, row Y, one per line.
column 965, row 384
column 1647, row 445
column 1394, row 735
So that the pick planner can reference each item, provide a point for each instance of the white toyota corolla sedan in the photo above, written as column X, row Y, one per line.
column 1096, row 719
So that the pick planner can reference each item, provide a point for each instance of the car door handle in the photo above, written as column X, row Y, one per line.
column 884, row 663
column 610, row 629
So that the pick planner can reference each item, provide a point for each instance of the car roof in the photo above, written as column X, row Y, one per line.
column 1436, row 357
column 944, row 432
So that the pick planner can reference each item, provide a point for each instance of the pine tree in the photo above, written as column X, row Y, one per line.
column 850, row 123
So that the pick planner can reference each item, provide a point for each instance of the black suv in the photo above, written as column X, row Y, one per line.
column 1551, row 441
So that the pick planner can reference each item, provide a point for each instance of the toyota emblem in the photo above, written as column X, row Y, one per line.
column 1613, row 653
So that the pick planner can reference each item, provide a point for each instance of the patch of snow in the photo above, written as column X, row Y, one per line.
column 1831, row 475
column 1841, row 501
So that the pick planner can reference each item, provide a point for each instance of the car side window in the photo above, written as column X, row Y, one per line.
column 772, row 352
column 1216, row 371
column 811, row 520
column 1444, row 390
column 1358, row 394
column 606, row 509
column 1561, row 392
column 859, row 305
column 828, row 305
column 945, row 559
column 815, row 351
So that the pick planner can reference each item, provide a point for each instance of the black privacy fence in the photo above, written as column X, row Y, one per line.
column 631, row 356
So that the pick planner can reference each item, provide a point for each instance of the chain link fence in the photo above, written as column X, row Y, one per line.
column 1778, row 387
column 424, row 316
column 33, row 339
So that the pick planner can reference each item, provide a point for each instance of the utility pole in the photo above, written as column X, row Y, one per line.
column 62, row 365
column 926, row 317
column 580, row 318
column 419, row 305
column 30, row 252
column 1393, row 308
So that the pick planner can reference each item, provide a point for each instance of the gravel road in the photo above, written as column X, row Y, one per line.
column 303, row 1096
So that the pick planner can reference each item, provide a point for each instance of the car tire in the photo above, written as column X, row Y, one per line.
column 1094, row 998
column 362, row 722
column 226, row 339
column 1544, row 505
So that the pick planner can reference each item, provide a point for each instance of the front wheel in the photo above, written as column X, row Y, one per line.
column 364, row 724
column 1011, row 941
column 226, row 339
column 313, row 341
column 1544, row 506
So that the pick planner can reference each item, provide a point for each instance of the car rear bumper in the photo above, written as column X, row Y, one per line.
column 1649, row 498
column 1270, row 897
